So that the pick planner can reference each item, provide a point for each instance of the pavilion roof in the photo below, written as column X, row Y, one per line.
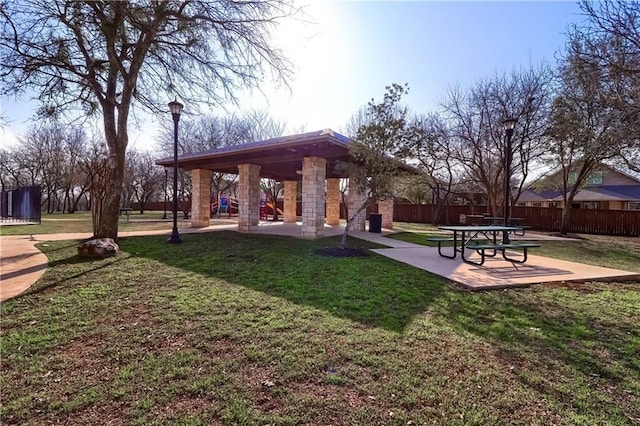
column 279, row 158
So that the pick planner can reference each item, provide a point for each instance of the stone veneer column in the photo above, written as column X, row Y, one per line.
column 290, row 201
column 385, row 208
column 249, row 196
column 314, row 171
column 356, row 199
column 333, row 201
column 201, row 197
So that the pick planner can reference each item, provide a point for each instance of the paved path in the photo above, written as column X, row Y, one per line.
column 22, row 264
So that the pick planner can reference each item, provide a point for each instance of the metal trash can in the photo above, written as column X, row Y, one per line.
column 375, row 222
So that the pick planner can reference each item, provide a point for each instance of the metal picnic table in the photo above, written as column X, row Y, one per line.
column 481, row 238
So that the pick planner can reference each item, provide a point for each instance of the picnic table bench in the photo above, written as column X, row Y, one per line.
column 480, row 248
column 483, row 240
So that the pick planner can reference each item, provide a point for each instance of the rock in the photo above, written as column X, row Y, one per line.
column 98, row 247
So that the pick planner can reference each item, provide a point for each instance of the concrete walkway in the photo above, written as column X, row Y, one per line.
column 22, row 264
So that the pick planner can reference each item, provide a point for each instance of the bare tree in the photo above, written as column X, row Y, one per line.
column 434, row 149
column 44, row 147
column 476, row 121
column 585, row 128
column 609, row 40
column 108, row 56
column 74, row 181
column 144, row 179
column 95, row 167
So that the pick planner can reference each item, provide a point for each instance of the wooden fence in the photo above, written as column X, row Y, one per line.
column 584, row 221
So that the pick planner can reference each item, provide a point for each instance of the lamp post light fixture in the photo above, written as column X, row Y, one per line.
column 176, row 109
column 166, row 179
column 509, row 125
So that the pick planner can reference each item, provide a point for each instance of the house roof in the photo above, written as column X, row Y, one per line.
column 607, row 193
column 543, row 195
column 278, row 158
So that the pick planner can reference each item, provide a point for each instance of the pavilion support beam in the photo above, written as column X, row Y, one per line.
column 290, row 201
column 249, row 197
column 201, row 197
column 333, row 201
column 356, row 199
column 385, row 208
column 314, row 172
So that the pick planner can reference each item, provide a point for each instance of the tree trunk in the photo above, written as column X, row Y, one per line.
column 343, row 240
column 566, row 219
column 117, row 138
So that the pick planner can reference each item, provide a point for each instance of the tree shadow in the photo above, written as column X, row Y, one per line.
column 65, row 270
column 532, row 330
column 372, row 290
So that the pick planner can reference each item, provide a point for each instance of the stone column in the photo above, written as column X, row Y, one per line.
column 333, row 201
column 290, row 201
column 200, row 197
column 249, row 196
column 356, row 199
column 314, row 171
column 385, row 208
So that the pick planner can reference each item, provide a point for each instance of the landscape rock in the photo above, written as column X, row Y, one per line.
column 98, row 248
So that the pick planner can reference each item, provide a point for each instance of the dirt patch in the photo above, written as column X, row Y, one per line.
column 341, row 252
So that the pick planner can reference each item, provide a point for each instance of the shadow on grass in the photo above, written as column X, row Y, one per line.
column 65, row 269
column 373, row 290
column 563, row 332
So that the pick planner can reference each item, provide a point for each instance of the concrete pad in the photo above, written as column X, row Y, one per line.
column 497, row 273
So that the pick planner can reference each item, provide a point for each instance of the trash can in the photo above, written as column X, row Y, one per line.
column 375, row 222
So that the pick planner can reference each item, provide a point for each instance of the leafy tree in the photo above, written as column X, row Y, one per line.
column 108, row 56
column 374, row 149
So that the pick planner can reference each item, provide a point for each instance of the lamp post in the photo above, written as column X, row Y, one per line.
column 166, row 178
column 176, row 108
column 509, row 125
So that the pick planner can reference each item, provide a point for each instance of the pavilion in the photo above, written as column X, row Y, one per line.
column 308, row 157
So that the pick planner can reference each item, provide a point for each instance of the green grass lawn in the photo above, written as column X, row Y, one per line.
column 81, row 222
column 239, row 329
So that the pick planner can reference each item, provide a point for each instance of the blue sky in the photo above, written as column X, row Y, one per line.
column 356, row 48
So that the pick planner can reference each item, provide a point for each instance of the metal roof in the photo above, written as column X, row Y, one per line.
column 279, row 158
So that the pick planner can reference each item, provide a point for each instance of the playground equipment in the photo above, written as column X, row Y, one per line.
column 227, row 206
column 266, row 208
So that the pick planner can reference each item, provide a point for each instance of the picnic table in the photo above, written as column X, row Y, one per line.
column 512, row 221
column 499, row 220
column 483, row 239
